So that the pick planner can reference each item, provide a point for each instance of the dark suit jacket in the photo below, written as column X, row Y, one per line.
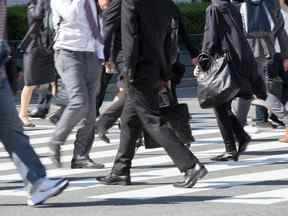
column 193, row 52
column 224, row 33
column 112, row 32
column 145, row 27
column 35, row 13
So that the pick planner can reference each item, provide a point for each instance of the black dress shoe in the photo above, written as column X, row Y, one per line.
column 139, row 143
column 103, row 137
column 113, row 179
column 56, row 155
column 39, row 113
column 243, row 143
column 227, row 156
column 55, row 117
column 87, row 163
column 192, row 176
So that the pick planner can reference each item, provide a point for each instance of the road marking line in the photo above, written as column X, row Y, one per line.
column 261, row 198
column 210, row 184
column 144, row 176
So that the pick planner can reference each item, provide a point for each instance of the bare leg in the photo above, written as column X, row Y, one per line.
column 25, row 101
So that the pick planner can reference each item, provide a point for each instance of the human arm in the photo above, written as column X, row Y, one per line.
column 111, row 22
column 211, row 38
column 129, row 29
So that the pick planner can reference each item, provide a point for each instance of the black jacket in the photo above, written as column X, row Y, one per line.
column 224, row 33
column 193, row 52
column 36, row 11
column 112, row 32
column 145, row 26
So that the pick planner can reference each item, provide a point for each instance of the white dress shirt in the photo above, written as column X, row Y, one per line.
column 74, row 32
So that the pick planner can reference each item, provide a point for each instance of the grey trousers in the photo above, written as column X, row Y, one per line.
column 79, row 72
column 15, row 141
column 278, row 108
column 240, row 107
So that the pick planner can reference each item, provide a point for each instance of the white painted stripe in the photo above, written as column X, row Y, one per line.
column 210, row 184
column 147, row 175
column 39, row 132
column 261, row 198
column 111, row 153
column 254, row 147
column 46, row 140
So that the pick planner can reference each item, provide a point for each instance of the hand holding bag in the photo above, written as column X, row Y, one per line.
column 177, row 117
column 218, row 84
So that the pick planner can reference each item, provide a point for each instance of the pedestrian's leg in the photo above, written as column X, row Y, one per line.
column 111, row 114
column 70, row 66
column 130, row 126
column 224, row 120
column 280, row 111
column 86, row 132
column 240, row 107
column 147, row 108
column 15, row 142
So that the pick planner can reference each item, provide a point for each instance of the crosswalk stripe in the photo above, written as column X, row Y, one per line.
column 210, row 184
column 261, row 198
column 111, row 153
column 149, row 175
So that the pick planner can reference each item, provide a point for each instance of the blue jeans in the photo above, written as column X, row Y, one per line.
column 15, row 141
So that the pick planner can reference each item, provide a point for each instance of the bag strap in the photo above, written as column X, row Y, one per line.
column 232, row 21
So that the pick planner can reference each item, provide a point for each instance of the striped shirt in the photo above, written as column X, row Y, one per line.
column 3, row 12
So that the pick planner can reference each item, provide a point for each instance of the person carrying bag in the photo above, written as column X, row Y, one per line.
column 227, row 71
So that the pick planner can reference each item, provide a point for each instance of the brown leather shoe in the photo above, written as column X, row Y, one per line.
column 284, row 138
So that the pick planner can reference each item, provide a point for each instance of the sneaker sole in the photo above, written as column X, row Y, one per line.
column 53, row 192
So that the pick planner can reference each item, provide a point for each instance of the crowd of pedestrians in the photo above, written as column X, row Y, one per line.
column 72, row 49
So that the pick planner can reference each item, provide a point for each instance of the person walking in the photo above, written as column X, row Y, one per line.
column 36, row 36
column 224, row 35
column 144, row 27
column 40, row 188
column 263, row 24
column 78, row 53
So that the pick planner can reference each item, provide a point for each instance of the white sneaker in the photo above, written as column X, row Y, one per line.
column 46, row 189
column 250, row 129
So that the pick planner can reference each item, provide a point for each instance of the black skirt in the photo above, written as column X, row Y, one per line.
column 34, row 76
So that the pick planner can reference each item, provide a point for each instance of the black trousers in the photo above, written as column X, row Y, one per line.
column 229, row 126
column 142, row 109
column 101, row 89
column 114, row 111
column 111, row 114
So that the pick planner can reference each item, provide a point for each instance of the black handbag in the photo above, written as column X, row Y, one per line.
column 178, row 118
column 217, row 85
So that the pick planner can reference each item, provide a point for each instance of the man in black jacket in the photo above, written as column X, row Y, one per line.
column 144, row 26
column 113, row 53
